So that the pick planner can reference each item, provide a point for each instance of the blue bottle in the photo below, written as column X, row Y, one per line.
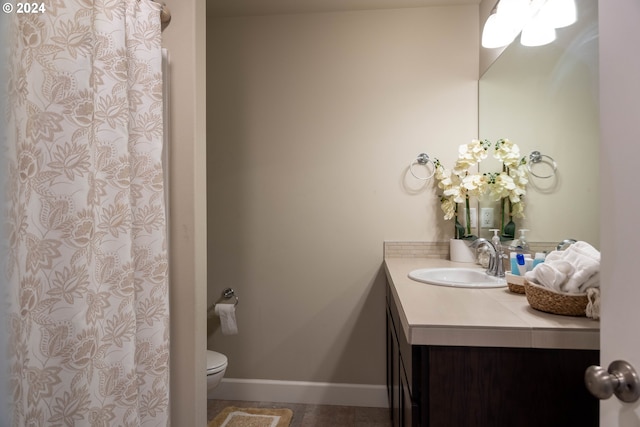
column 522, row 265
column 514, row 263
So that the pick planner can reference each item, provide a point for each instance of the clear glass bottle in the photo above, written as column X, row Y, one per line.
column 521, row 242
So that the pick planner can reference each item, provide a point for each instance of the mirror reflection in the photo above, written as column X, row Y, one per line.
column 545, row 99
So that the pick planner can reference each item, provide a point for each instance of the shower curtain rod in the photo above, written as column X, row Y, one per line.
column 165, row 16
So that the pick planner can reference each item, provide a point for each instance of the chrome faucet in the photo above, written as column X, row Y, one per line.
column 496, row 255
column 565, row 244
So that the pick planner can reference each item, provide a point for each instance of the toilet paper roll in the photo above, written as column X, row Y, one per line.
column 227, row 314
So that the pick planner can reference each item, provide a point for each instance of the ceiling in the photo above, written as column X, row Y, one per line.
column 270, row 7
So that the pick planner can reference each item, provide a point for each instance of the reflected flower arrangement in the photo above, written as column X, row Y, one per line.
column 459, row 184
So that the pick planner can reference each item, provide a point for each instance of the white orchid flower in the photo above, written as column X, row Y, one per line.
column 517, row 210
column 477, row 150
column 458, row 184
column 476, row 185
column 520, row 175
column 449, row 208
column 456, row 193
column 508, row 153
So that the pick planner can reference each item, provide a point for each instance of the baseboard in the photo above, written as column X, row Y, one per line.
column 302, row 392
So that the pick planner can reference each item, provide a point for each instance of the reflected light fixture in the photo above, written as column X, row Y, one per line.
column 536, row 19
column 503, row 26
column 495, row 33
column 537, row 32
column 559, row 13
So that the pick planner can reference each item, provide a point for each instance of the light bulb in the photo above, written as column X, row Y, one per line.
column 559, row 13
column 537, row 33
column 495, row 33
column 501, row 27
column 515, row 13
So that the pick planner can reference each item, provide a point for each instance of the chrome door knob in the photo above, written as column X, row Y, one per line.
column 620, row 379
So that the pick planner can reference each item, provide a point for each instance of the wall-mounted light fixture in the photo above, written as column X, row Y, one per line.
column 536, row 19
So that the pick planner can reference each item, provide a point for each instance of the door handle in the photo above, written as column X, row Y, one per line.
column 620, row 379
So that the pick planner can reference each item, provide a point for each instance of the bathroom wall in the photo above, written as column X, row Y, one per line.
column 312, row 121
column 185, row 38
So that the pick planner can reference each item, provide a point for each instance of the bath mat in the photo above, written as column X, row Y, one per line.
column 232, row 416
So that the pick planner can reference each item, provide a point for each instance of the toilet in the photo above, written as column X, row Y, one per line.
column 216, row 366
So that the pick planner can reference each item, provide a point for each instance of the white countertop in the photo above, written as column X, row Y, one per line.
column 438, row 315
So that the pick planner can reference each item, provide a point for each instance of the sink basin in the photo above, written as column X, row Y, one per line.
column 457, row 278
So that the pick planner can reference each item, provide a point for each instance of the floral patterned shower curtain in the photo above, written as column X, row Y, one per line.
column 87, row 263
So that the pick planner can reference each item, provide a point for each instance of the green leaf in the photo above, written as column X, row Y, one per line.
column 459, row 230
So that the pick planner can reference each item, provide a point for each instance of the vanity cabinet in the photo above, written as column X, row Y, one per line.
column 470, row 386
column 404, row 408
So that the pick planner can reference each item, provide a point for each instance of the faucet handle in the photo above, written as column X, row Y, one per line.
column 499, row 266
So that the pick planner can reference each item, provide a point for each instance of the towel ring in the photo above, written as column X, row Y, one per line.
column 422, row 159
column 537, row 157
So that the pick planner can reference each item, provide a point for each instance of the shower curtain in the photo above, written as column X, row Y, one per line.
column 87, row 270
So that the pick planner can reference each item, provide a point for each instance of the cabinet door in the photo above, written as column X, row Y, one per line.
column 393, row 373
column 406, row 405
column 519, row 387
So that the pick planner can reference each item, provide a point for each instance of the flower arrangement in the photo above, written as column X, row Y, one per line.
column 507, row 186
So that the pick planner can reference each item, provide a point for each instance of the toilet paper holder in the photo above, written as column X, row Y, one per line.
column 228, row 294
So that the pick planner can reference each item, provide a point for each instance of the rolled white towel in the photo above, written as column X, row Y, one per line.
column 586, row 262
column 552, row 275
column 592, row 282
column 574, row 270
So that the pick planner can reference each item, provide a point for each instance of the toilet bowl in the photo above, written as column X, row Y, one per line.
column 216, row 366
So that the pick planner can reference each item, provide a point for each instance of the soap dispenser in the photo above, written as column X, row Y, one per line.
column 495, row 239
column 522, row 243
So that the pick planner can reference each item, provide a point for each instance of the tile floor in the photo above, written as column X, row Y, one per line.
column 314, row 415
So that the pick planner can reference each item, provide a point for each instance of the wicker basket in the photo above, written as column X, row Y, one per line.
column 547, row 300
column 515, row 283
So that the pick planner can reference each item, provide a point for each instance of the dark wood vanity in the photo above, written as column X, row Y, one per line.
column 493, row 386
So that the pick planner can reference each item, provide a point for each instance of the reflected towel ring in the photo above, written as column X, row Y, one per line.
column 537, row 157
column 422, row 159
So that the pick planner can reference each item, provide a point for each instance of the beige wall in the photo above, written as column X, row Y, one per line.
column 312, row 122
column 185, row 39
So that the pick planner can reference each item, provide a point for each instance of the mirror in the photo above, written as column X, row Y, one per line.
column 545, row 99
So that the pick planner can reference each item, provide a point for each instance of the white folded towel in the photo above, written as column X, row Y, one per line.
column 573, row 270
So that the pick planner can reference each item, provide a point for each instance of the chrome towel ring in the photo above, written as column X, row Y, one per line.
column 422, row 159
column 537, row 157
